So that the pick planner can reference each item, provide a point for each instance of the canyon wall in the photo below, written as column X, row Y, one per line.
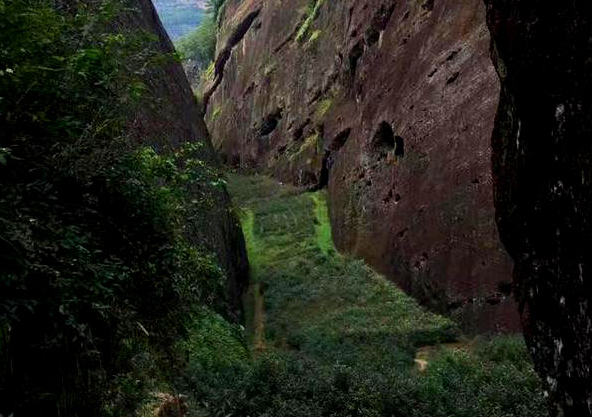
column 390, row 105
column 174, row 118
column 542, row 157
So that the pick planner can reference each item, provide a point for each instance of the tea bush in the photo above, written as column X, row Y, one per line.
column 341, row 341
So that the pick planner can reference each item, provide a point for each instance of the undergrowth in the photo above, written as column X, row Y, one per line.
column 341, row 341
column 98, row 280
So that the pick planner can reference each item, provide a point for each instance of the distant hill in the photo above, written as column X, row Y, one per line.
column 180, row 17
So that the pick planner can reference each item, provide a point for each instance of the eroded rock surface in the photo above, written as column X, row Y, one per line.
column 542, row 174
column 390, row 104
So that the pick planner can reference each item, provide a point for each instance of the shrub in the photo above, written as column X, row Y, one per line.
column 199, row 45
column 97, row 277
column 340, row 341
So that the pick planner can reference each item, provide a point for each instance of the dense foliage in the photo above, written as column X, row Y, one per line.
column 200, row 45
column 331, row 338
column 97, row 278
column 456, row 384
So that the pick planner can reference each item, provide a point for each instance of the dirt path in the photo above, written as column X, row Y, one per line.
column 426, row 354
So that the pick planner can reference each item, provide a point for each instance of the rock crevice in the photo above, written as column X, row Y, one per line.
column 224, row 55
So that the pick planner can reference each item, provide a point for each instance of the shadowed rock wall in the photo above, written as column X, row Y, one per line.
column 542, row 154
column 172, row 118
column 389, row 104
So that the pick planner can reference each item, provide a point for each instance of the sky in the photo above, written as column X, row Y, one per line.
column 179, row 17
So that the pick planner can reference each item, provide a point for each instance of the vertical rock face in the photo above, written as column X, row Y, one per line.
column 542, row 154
column 390, row 104
column 172, row 119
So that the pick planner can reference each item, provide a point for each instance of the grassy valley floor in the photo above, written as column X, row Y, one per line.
column 327, row 336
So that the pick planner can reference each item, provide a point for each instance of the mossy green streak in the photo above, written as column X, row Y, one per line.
column 322, row 223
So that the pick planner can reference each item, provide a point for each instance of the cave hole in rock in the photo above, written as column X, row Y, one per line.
column 506, row 288
column 493, row 300
column 384, row 137
column 454, row 305
column 354, row 56
column 452, row 55
column 379, row 23
column 327, row 164
column 428, row 5
column 452, row 78
column 372, row 36
column 388, row 197
column 385, row 141
column 341, row 139
column 399, row 146
column 270, row 123
column 299, row 131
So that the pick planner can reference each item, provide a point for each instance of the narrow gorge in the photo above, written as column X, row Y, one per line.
column 297, row 208
column 390, row 105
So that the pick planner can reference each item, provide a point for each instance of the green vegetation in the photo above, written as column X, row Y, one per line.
column 200, row 44
column 322, row 224
column 311, row 15
column 314, row 36
column 216, row 113
column 341, row 341
column 311, row 142
column 98, row 280
column 214, row 8
column 214, row 343
column 322, row 108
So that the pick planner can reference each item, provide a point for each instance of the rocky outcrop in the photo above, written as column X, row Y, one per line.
column 175, row 118
column 390, row 105
column 542, row 176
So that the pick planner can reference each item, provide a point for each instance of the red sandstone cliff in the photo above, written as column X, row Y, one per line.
column 391, row 106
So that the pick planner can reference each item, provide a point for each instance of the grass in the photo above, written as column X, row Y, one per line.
column 322, row 225
column 340, row 340
column 318, row 302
